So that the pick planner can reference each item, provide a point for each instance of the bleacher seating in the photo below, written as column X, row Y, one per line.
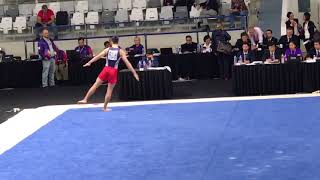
column 194, row 12
column 32, row 21
column 81, row 6
column 77, row 20
column 12, row 11
column 110, row 5
column 6, row 25
column 95, row 5
column 92, row 19
column 1, row 11
column 125, row 4
column 20, row 24
column 122, row 16
column 62, row 18
column 154, row 4
column 136, row 15
column 26, row 9
column 67, row 6
column 181, row 12
column 140, row 4
column 107, row 17
column 152, row 14
column 166, row 13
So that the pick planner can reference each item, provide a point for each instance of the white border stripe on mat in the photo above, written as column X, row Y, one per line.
column 28, row 121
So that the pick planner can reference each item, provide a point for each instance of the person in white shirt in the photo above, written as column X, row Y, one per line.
column 256, row 36
column 207, row 46
column 307, row 33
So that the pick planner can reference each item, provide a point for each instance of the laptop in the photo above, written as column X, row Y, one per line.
column 166, row 51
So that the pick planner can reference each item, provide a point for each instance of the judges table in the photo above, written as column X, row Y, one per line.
column 154, row 83
column 276, row 78
column 20, row 74
column 198, row 66
column 87, row 75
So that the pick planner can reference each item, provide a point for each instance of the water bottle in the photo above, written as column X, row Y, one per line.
column 140, row 65
column 282, row 59
column 240, row 59
column 235, row 60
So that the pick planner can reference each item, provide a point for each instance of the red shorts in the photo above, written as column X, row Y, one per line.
column 109, row 74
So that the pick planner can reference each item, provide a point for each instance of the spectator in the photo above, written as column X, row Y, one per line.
column 246, row 55
column 269, row 39
column 221, row 39
column 256, row 37
column 207, row 46
column 244, row 39
column 272, row 54
column 308, row 31
column 286, row 39
column 189, row 46
column 107, row 44
column 293, row 23
column 293, row 51
column 137, row 48
column 61, row 66
column 238, row 8
column 47, row 51
column 45, row 18
column 315, row 52
column 85, row 51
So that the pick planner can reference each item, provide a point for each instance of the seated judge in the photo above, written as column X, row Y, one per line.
column 272, row 54
column 293, row 51
column 84, row 50
column 315, row 52
column 207, row 47
column 286, row 39
column 137, row 48
column 268, row 39
column 246, row 55
column 189, row 46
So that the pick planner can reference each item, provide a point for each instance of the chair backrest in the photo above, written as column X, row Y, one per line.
column 26, row 9
column 107, row 17
column 1, row 11
column 6, row 22
column 20, row 21
column 32, row 21
column 55, row 7
column 62, row 18
column 37, row 8
column 92, row 18
column 181, row 12
column 122, row 16
column 82, row 6
column 12, row 11
column 166, row 13
column 136, row 15
column 152, row 14
column 140, row 4
column 78, row 18
column 110, row 5
column 154, row 4
column 67, row 6
column 125, row 4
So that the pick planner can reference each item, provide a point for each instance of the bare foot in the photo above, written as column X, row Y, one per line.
column 82, row 102
column 105, row 109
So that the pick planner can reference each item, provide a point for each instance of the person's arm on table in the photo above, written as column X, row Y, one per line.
column 128, row 64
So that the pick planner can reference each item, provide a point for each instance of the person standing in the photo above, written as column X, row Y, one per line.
column 47, row 51
column 308, row 31
column 238, row 8
column 293, row 23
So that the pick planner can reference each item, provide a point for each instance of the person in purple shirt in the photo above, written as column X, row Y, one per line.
column 137, row 48
column 85, row 51
column 293, row 51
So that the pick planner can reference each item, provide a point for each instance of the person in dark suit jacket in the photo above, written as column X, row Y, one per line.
column 272, row 54
column 244, row 39
column 246, row 55
column 269, row 39
column 286, row 39
column 315, row 51
column 293, row 23
column 307, row 31
column 189, row 46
